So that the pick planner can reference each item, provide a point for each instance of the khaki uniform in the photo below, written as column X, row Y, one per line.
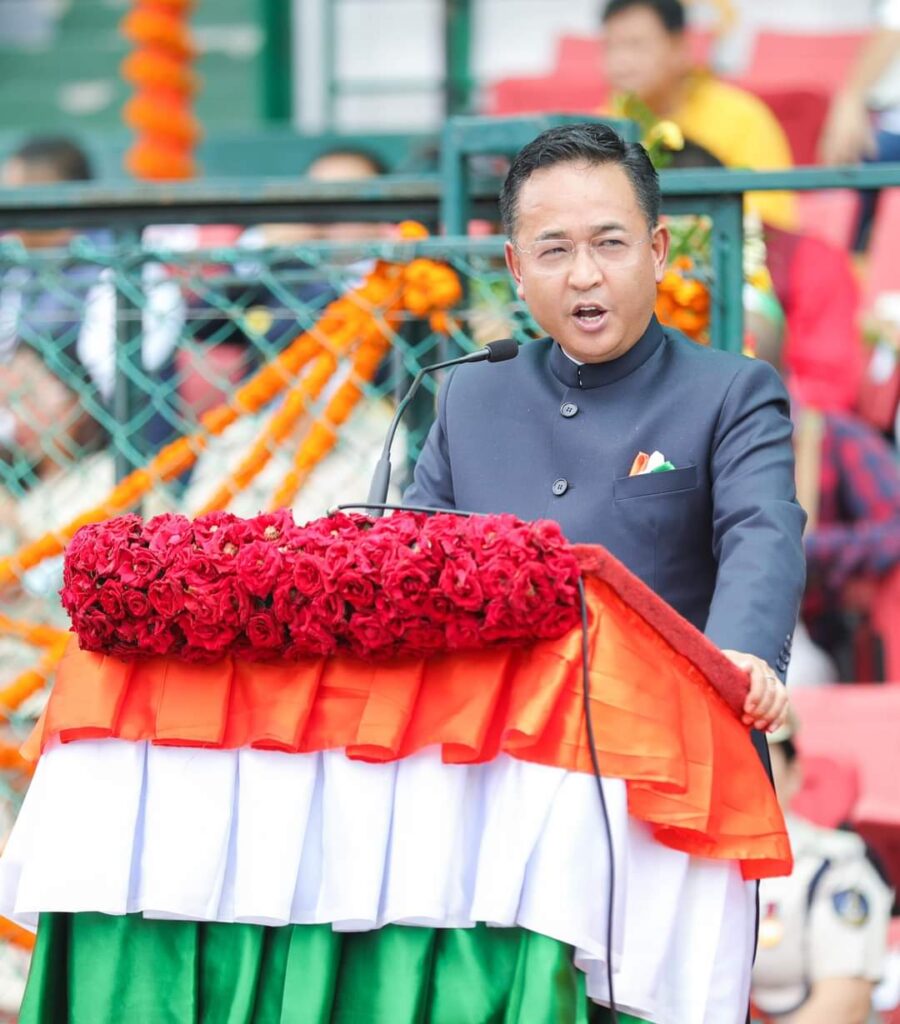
column 829, row 919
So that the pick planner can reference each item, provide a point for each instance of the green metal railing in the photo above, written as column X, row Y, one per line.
column 230, row 309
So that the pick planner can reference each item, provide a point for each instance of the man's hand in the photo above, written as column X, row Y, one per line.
column 767, row 702
column 847, row 136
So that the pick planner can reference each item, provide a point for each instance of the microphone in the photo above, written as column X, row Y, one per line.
column 494, row 352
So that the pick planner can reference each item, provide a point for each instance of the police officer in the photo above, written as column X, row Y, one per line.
column 823, row 930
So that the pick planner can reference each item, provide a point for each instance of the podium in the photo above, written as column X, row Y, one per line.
column 399, row 839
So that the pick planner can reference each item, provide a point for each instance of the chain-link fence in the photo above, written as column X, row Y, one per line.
column 164, row 376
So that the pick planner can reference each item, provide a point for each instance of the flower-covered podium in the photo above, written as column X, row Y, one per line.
column 340, row 773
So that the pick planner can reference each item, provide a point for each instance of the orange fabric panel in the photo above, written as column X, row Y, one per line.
column 691, row 770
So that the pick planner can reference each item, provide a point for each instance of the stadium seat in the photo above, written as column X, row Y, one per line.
column 857, row 725
column 829, row 792
column 797, row 60
column 828, row 214
column 801, row 113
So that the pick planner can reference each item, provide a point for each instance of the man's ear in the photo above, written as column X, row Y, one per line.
column 514, row 265
column 659, row 244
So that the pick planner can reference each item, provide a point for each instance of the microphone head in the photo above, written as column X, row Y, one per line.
column 500, row 351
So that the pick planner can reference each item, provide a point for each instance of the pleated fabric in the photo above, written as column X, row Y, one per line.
column 269, row 838
column 690, row 768
column 93, row 969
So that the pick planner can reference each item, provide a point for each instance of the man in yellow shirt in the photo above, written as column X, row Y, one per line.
column 648, row 58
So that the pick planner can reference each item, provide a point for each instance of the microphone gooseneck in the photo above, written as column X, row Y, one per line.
column 493, row 352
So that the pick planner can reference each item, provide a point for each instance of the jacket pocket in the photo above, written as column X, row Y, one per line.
column 648, row 484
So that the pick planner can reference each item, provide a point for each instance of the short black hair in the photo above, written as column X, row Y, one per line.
column 65, row 157
column 591, row 142
column 670, row 12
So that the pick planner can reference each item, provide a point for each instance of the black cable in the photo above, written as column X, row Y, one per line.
column 595, row 760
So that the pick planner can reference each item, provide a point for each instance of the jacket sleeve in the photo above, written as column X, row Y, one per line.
column 432, row 483
column 757, row 522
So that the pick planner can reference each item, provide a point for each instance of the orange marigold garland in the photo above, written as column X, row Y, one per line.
column 343, row 321
column 683, row 301
column 164, row 83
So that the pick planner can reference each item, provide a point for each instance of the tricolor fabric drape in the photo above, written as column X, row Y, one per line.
column 416, row 841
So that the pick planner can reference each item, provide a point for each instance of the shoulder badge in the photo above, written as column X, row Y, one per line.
column 851, row 906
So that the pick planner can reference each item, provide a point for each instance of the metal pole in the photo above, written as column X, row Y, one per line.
column 458, row 57
column 277, row 60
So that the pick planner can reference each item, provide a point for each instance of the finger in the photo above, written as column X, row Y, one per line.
column 776, row 711
column 757, row 686
column 767, row 713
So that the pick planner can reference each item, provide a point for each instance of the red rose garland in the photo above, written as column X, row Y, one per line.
column 266, row 588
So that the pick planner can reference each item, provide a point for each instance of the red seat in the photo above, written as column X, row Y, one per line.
column 796, row 60
column 800, row 112
column 545, row 95
column 829, row 792
column 828, row 214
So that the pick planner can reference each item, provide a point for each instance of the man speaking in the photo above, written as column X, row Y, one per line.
column 675, row 457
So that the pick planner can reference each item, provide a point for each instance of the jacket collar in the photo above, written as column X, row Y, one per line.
column 596, row 375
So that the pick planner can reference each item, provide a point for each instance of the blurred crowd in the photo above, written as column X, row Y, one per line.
column 828, row 320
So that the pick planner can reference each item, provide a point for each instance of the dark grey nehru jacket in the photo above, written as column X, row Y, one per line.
column 718, row 537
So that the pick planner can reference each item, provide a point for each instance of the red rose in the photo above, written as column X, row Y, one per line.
column 286, row 601
column 196, row 568
column 308, row 574
column 310, row 635
column 264, row 632
column 407, row 584
column 338, row 557
column 274, row 526
column 370, row 635
column 438, row 607
column 459, row 580
column 166, row 597
column 112, row 599
column 79, row 591
column 153, row 636
column 223, row 602
column 502, row 623
column 464, row 633
column 356, row 589
column 421, row 637
column 166, row 534
column 497, row 575
column 209, row 637
column 556, row 620
column 258, row 566
column 138, row 566
column 94, row 629
column 136, row 603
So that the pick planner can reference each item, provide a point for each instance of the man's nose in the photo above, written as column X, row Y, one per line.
column 584, row 271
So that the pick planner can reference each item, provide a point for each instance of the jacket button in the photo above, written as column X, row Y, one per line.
column 568, row 409
column 560, row 487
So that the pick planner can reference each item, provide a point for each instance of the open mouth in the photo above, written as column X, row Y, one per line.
column 589, row 315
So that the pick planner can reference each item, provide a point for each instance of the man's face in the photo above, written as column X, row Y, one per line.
column 642, row 56
column 597, row 303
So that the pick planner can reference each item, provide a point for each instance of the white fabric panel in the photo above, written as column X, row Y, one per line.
column 272, row 838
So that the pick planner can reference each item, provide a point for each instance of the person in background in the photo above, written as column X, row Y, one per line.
column 822, row 355
column 848, row 481
column 864, row 118
column 647, row 57
column 71, row 324
column 823, row 930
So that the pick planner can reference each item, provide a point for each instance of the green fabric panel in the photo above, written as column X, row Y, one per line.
column 96, row 969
